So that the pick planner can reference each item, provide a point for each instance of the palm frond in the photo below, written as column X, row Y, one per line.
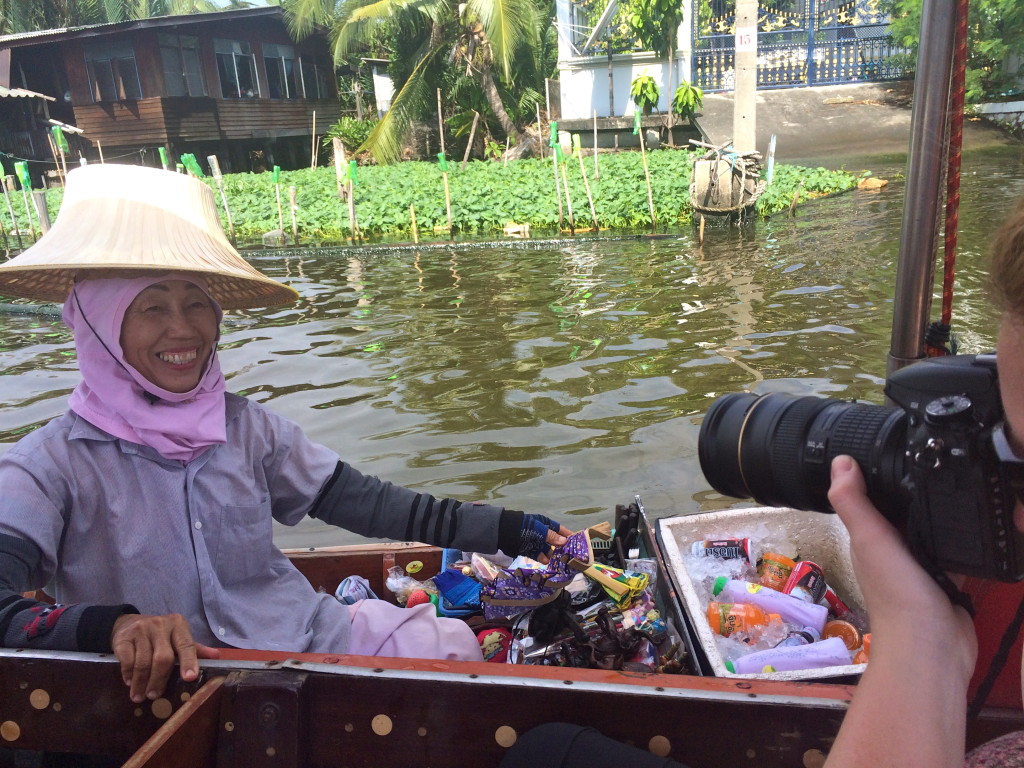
column 302, row 16
column 508, row 24
column 385, row 141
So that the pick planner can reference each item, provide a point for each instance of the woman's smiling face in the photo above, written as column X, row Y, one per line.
column 168, row 334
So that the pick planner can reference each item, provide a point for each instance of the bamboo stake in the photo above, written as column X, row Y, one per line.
column 99, row 146
column 341, row 178
column 219, row 178
column 412, row 217
column 472, row 135
column 312, row 145
column 447, row 193
column 552, row 141
column 647, row 177
column 597, row 172
column 26, row 182
column 568, row 199
column 540, row 130
column 294, row 207
column 440, row 121
column 578, row 151
column 56, row 160
column 356, row 234
column 504, row 158
column 7, row 244
column 8, row 184
column 277, row 193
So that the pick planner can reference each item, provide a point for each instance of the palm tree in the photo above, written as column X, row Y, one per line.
column 480, row 39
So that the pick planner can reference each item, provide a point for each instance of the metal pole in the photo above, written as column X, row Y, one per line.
column 915, row 273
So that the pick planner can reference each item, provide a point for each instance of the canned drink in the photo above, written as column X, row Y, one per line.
column 806, row 581
column 727, row 549
column 774, row 570
column 838, row 608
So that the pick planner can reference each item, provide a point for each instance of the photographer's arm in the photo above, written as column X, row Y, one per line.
column 910, row 706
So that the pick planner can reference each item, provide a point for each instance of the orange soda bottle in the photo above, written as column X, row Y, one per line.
column 727, row 618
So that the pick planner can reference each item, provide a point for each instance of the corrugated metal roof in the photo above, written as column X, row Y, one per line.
column 6, row 93
column 43, row 35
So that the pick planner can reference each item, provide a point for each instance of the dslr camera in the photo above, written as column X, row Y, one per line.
column 938, row 465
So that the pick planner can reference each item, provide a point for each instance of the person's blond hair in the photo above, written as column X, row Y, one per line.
column 1006, row 264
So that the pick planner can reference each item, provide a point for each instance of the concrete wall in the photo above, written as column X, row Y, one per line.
column 1011, row 112
column 585, row 80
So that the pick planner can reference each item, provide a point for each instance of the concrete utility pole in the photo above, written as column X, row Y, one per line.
column 744, row 116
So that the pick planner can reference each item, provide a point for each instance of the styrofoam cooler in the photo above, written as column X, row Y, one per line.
column 819, row 537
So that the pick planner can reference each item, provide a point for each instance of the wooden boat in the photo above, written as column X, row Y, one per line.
column 257, row 708
column 254, row 708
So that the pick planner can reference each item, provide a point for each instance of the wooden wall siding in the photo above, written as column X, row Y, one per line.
column 270, row 118
column 159, row 120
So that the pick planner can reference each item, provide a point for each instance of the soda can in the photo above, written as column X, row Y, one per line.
column 837, row 607
column 807, row 581
column 726, row 549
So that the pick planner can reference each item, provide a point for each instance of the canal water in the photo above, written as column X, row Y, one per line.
column 564, row 377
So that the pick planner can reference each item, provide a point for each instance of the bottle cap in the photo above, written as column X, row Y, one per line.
column 845, row 631
column 719, row 584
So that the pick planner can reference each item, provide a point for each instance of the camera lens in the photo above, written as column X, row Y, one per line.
column 778, row 449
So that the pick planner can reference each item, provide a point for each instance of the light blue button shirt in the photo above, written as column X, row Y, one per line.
column 118, row 523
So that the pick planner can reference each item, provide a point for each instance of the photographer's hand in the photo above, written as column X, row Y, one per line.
column 910, row 706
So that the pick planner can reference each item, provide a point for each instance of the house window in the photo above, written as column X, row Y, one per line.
column 237, row 69
column 316, row 77
column 113, row 75
column 183, row 73
column 280, row 63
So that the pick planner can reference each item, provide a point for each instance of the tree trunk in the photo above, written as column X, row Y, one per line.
column 497, row 107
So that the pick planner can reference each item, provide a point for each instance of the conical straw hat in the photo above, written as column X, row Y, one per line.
column 125, row 220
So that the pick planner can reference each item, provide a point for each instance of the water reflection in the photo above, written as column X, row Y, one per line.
column 561, row 378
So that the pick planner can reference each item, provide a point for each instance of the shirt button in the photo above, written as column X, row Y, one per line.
column 198, row 524
column 221, row 631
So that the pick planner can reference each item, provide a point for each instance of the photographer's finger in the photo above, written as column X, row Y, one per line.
column 848, row 496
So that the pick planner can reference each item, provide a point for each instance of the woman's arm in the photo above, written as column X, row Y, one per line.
column 909, row 708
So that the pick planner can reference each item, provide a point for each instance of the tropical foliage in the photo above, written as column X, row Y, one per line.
column 486, row 196
column 31, row 15
column 488, row 56
column 687, row 100
column 644, row 92
column 995, row 57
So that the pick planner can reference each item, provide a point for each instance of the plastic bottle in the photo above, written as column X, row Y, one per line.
column 726, row 618
column 793, row 610
column 774, row 569
column 804, row 636
column 827, row 653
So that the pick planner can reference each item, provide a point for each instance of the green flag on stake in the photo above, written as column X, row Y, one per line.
column 443, row 162
column 576, row 150
column 275, row 174
column 559, row 155
column 23, row 175
column 353, row 171
column 190, row 162
column 163, row 157
column 553, row 134
column 58, row 137
column 636, row 123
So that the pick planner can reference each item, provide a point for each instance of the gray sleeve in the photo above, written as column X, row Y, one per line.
column 29, row 623
column 372, row 507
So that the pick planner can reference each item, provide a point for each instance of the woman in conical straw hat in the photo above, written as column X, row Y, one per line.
column 148, row 506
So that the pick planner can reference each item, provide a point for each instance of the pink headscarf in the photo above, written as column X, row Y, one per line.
column 113, row 394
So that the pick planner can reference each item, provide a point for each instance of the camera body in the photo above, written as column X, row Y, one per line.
column 929, row 461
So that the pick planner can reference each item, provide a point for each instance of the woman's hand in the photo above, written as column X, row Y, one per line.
column 148, row 648
column 539, row 534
